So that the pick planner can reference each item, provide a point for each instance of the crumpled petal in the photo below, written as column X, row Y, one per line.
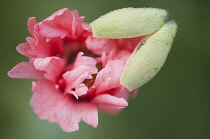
column 50, row 104
column 74, row 81
column 61, row 24
column 53, row 67
column 109, row 102
column 51, row 32
column 24, row 49
column 88, row 62
column 99, row 45
column 25, row 70
column 102, row 45
column 39, row 47
column 109, row 77
column 31, row 23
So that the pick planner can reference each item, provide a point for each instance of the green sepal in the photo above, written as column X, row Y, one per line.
column 128, row 23
column 147, row 60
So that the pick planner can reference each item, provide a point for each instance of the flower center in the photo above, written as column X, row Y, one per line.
column 71, row 50
column 73, row 82
column 85, row 63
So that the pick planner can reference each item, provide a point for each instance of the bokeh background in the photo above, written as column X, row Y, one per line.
column 174, row 105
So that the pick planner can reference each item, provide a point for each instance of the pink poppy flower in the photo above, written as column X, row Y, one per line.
column 79, row 74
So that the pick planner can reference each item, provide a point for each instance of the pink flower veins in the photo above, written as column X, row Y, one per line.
column 78, row 74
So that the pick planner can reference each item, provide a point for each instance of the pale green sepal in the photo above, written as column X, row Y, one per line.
column 148, row 59
column 128, row 23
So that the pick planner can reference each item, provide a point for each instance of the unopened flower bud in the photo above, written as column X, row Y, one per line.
column 149, row 58
column 129, row 22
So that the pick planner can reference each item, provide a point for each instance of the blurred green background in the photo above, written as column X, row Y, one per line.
column 174, row 105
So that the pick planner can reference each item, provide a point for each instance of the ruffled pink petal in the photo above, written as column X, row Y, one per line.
column 74, row 81
column 57, row 13
column 129, row 44
column 50, row 104
column 88, row 62
column 24, row 49
column 51, row 32
column 99, row 45
column 115, row 54
column 107, row 57
column 74, row 24
column 31, row 23
column 123, row 93
column 39, row 48
column 49, row 27
column 123, row 55
column 61, row 24
column 86, row 26
column 109, row 77
column 31, row 41
column 25, row 70
column 134, row 92
column 109, row 102
column 80, row 90
column 53, row 67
